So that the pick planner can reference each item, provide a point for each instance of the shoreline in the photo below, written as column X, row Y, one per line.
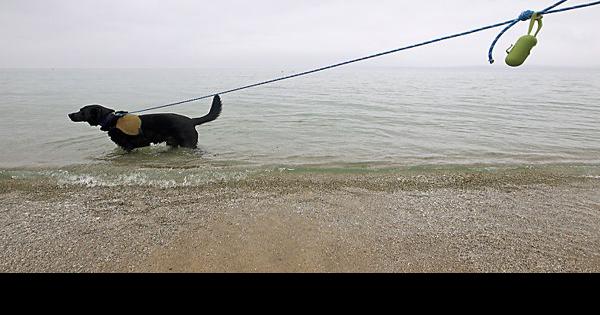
column 525, row 220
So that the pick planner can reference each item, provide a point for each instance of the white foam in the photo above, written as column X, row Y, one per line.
column 591, row 176
column 162, row 179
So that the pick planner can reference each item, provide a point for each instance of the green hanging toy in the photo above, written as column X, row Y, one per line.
column 521, row 50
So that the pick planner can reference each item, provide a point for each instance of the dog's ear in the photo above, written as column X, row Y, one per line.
column 96, row 113
column 92, row 115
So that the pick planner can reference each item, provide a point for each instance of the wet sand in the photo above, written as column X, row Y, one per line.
column 517, row 221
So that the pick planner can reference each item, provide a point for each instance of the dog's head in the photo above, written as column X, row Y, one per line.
column 92, row 114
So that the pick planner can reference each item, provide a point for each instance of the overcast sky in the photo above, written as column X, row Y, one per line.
column 261, row 33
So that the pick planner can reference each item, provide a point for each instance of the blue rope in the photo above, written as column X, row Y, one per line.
column 523, row 17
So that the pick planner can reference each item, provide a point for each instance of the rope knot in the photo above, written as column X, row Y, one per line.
column 526, row 15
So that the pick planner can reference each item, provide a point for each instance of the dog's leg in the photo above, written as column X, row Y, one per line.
column 189, row 139
column 188, row 144
column 172, row 144
column 121, row 140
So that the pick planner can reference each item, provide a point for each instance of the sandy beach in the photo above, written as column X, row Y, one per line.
column 517, row 221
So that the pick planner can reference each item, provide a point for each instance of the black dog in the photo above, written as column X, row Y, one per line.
column 131, row 131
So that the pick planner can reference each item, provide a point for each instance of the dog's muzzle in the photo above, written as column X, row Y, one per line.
column 76, row 117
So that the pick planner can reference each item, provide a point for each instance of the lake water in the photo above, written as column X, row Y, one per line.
column 345, row 118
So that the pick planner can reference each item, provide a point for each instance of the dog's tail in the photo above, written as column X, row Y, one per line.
column 215, row 111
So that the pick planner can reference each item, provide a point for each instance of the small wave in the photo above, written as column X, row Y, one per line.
column 591, row 176
column 111, row 175
column 89, row 180
column 149, row 177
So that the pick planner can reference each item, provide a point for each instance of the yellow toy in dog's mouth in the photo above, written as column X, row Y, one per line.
column 130, row 124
